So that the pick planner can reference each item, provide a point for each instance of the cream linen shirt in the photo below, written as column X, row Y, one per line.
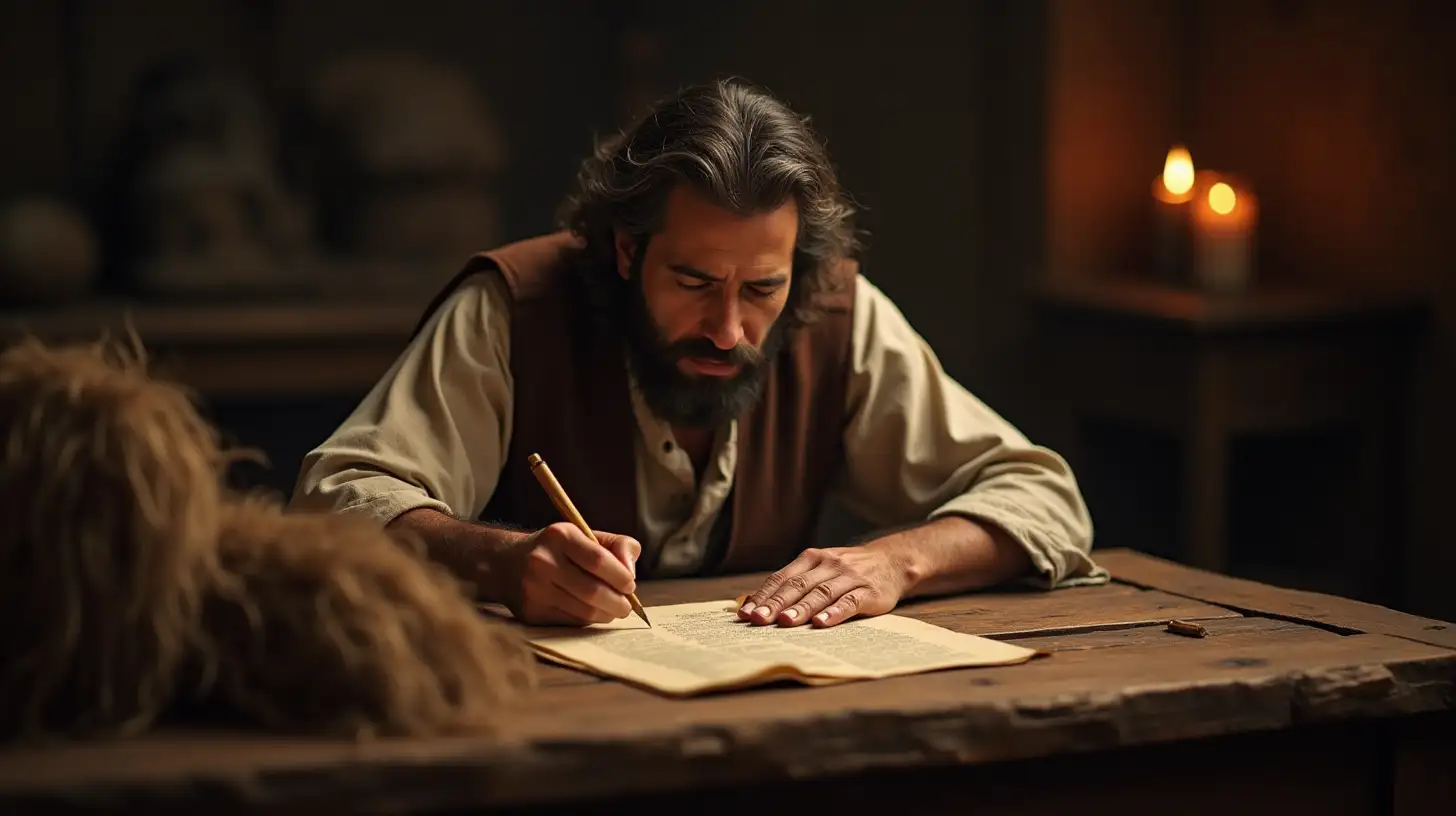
column 436, row 428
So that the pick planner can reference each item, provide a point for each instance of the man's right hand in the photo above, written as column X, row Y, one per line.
column 561, row 577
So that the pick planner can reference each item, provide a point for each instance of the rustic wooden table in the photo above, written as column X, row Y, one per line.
column 1292, row 701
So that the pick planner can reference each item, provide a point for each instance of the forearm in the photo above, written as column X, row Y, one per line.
column 953, row 554
column 472, row 552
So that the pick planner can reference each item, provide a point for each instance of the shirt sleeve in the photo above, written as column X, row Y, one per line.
column 433, row 431
column 920, row 446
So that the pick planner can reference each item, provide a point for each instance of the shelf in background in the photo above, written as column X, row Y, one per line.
column 253, row 349
column 1270, row 307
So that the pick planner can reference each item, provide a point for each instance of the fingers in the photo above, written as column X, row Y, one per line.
column 750, row 611
column 547, row 614
column 790, row 592
column 548, row 598
column 556, row 579
column 845, row 607
column 565, row 605
column 577, row 585
column 626, row 548
column 821, row 597
column 824, row 587
column 557, row 590
column 597, row 560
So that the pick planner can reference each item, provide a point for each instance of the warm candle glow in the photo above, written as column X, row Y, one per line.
column 1225, row 220
column 1221, row 198
column 1178, row 171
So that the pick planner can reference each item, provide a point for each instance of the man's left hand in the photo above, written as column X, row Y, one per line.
column 828, row 586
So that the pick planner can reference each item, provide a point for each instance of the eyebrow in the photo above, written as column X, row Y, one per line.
column 691, row 272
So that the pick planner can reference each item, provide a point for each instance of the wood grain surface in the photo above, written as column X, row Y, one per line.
column 1116, row 679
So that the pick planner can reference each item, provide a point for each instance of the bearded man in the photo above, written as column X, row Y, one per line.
column 700, row 361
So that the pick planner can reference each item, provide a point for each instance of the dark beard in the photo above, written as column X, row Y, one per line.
column 680, row 399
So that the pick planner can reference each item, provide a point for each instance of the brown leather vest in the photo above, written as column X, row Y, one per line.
column 573, row 406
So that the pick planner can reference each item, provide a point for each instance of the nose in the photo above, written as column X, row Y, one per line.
column 725, row 324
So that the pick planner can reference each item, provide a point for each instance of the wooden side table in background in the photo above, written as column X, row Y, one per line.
column 1209, row 369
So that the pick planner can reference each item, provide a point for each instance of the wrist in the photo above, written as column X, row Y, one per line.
column 496, row 562
column 477, row 554
column 952, row 554
column 915, row 556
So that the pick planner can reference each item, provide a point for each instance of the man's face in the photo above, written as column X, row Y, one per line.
column 706, row 299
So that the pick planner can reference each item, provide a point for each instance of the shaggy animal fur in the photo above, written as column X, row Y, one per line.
column 108, row 538
column 329, row 623
column 136, row 586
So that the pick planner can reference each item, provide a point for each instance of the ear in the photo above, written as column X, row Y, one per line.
column 625, row 246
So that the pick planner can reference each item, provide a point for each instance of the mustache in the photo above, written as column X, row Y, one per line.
column 741, row 354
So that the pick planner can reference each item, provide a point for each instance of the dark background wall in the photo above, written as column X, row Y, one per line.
column 1340, row 113
column 994, row 146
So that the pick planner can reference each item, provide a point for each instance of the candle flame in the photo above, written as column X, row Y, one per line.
column 1221, row 198
column 1178, row 171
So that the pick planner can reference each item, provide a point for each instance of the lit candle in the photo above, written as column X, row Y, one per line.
column 1224, row 218
column 1172, row 192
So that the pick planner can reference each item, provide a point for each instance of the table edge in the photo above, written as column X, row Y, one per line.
column 1320, row 610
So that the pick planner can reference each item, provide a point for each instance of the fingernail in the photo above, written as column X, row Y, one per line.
column 822, row 617
column 763, row 611
column 747, row 608
column 792, row 614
